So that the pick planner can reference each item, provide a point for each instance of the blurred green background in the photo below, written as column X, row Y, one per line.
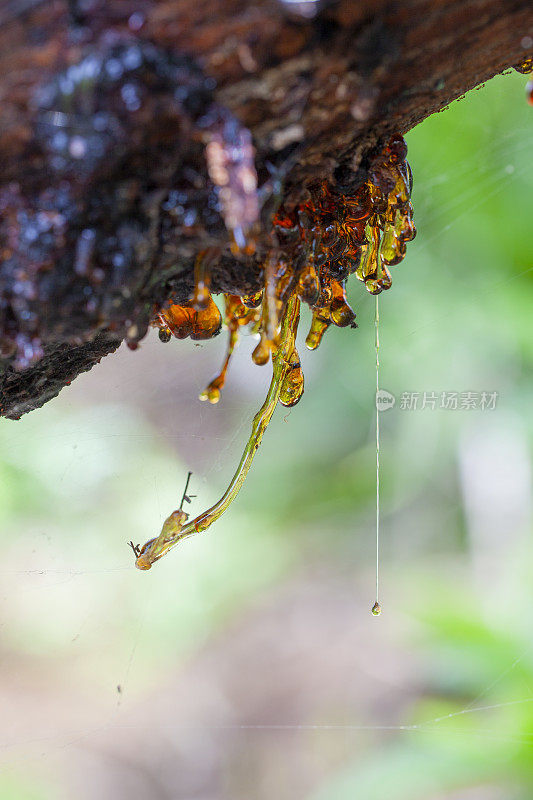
column 247, row 663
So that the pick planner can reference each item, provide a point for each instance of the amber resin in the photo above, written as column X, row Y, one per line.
column 315, row 247
column 237, row 315
column 340, row 234
column 186, row 320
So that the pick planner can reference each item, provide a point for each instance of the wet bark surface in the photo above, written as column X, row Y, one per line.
column 117, row 119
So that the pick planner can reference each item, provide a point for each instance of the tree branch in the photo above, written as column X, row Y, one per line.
column 106, row 109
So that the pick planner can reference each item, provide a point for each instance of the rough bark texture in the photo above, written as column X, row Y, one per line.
column 106, row 108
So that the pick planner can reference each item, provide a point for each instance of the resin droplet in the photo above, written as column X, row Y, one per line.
column 165, row 334
column 341, row 312
column 211, row 393
column 208, row 321
column 376, row 609
column 184, row 320
column 292, row 387
column 319, row 325
column 261, row 353
column 252, row 300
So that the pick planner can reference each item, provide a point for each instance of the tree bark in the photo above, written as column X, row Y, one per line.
column 107, row 193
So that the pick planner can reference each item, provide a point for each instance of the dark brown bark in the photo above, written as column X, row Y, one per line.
column 105, row 111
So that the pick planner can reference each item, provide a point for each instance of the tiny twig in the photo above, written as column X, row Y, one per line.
column 187, row 498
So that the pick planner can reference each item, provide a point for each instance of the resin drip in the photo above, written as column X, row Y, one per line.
column 337, row 234
column 185, row 320
column 313, row 250
column 237, row 315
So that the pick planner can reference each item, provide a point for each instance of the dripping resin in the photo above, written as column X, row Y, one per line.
column 318, row 245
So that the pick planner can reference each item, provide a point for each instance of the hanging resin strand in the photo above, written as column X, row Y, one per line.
column 212, row 390
column 236, row 316
column 376, row 608
column 174, row 530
